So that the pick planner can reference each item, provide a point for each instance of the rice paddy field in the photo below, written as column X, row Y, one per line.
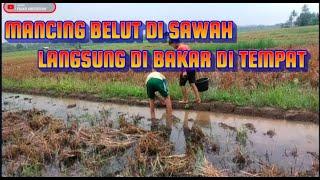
column 283, row 90
column 45, row 136
column 52, row 136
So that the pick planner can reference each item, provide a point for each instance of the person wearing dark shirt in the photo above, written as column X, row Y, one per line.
column 187, row 74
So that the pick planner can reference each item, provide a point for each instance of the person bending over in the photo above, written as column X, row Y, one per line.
column 156, row 82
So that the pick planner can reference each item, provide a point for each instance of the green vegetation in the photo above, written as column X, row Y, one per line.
column 18, row 54
column 242, row 136
column 283, row 95
column 31, row 170
column 286, row 96
column 305, row 18
column 270, row 38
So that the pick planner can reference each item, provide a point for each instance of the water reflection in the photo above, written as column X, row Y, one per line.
column 305, row 137
column 203, row 119
column 181, row 133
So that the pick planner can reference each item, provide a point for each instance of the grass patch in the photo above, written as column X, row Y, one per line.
column 64, row 85
column 31, row 170
column 17, row 54
column 286, row 96
column 122, row 90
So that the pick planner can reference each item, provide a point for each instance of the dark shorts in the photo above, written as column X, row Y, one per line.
column 154, row 85
column 191, row 77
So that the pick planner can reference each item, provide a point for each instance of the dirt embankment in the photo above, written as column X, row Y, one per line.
column 213, row 106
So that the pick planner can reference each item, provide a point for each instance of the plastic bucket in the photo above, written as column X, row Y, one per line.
column 202, row 84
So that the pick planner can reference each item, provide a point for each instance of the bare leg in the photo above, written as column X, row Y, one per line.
column 185, row 120
column 184, row 94
column 168, row 111
column 152, row 111
column 196, row 92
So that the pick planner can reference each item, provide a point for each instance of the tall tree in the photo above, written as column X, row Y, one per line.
column 293, row 15
column 305, row 17
column 315, row 19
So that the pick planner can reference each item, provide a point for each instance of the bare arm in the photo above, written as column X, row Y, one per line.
column 161, row 99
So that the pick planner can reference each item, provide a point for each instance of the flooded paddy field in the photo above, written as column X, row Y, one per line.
column 104, row 139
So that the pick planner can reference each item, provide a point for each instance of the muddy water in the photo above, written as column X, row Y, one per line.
column 286, row 144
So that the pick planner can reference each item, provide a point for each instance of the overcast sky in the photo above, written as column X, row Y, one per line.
column 241, row 13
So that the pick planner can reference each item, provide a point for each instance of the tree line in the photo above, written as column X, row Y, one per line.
column 305, row 18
